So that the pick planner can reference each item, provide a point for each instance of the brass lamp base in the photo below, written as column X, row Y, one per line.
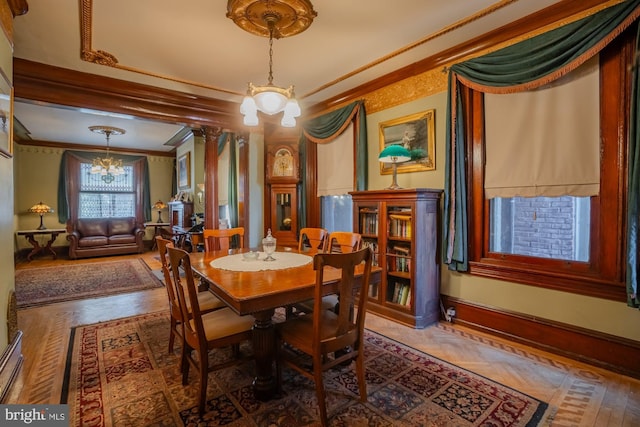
column 394, row 184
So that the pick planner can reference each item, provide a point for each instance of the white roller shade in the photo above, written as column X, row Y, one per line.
column 335, row 165
column 545, row 142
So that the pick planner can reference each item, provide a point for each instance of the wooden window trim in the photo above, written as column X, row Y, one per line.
column 603, row 276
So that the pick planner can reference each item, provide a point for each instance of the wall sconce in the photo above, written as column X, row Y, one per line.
column 394, row 154
column 200, row 193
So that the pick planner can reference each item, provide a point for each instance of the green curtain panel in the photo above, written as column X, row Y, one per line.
column 327, row 127
column 232, row 188
column 633, row 214
column 525, row 65
column 64, row 181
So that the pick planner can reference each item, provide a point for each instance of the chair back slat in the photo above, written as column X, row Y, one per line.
column 163, row 246
column 223, row 239
column 344, row 242
column 187, row 296
column 313, row 240
column 349, row 327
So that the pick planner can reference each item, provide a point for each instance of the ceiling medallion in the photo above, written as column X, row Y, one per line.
column 293, row 16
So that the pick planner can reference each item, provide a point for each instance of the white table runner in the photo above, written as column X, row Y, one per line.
column 283, row 260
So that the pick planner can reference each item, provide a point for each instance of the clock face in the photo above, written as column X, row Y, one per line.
column 283, row 163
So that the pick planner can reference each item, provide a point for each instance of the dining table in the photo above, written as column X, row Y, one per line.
column 249, row 285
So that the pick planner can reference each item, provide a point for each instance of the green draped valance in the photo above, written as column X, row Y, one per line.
column 232, row 188
column 325, row 129
column 527, row 65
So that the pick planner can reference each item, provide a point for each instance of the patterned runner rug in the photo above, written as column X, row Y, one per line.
column 119, row 373
column 46, row 285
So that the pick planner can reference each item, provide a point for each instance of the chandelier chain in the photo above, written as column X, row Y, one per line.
column 270, row 78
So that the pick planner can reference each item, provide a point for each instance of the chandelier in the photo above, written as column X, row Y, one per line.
column 275, row 19
column 106, row 166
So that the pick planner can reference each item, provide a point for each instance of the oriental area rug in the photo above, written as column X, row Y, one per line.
column 119, row 373
column 45, row 285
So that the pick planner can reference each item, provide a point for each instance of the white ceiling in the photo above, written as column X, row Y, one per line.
column 193, row 47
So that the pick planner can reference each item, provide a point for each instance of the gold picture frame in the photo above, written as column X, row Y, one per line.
column 6, row 117
column 184, row 171
column 416, row 133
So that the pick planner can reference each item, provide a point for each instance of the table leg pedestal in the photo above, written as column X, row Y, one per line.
column 37, row 248
column 264, row 385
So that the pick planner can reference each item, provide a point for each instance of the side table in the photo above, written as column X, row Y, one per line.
column 30, row 236
column 157, row 230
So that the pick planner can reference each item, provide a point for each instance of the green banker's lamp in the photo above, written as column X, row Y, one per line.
column 394, row 154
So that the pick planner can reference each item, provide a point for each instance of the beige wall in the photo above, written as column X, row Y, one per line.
column 187, row 147
column 36, row 179
column 601, row 315
column 7, row 278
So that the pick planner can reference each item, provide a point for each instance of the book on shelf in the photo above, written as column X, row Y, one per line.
column 369, row 223
column 401, row 294
column 401, row 250
column 407, row 301
column 374, row 249
column 400, row 217
column 373, row 291
column 400, row 227
column 371, row 244
column 396, row 292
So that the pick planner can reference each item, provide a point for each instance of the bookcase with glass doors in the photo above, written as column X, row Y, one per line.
column 401, row 227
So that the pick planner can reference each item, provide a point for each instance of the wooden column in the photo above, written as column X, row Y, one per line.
column 243, row 185
column 210, row 135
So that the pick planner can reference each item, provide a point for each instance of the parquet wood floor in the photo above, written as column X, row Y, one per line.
column 578, row 394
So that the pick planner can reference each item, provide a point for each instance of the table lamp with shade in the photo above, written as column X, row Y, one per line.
column 394, row 154
column 40, row 209
column 159, row 206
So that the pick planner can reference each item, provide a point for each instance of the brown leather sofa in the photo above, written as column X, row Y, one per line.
column 91, row 237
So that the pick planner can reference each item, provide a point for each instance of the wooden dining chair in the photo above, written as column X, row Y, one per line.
column 221, row 238
column 204, row 332
column 337, row 242
column 206, row 300
column 323, row 335
column 344, row 241
column 313, row 240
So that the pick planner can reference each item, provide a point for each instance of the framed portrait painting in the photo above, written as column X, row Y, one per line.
column 184, row 171
column 6, row 117
column 416, row 133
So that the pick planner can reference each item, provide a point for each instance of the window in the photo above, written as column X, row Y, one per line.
column 337, row 213
column 545, row 227
column 98, row 199
column 509, row 238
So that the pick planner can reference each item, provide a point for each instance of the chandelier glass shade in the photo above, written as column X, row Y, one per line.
column 107, row 166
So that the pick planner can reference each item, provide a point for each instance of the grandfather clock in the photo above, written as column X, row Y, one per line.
column 283, row 176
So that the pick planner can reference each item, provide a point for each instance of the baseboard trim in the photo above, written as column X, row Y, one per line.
column 10, row 364
column 610, row 352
